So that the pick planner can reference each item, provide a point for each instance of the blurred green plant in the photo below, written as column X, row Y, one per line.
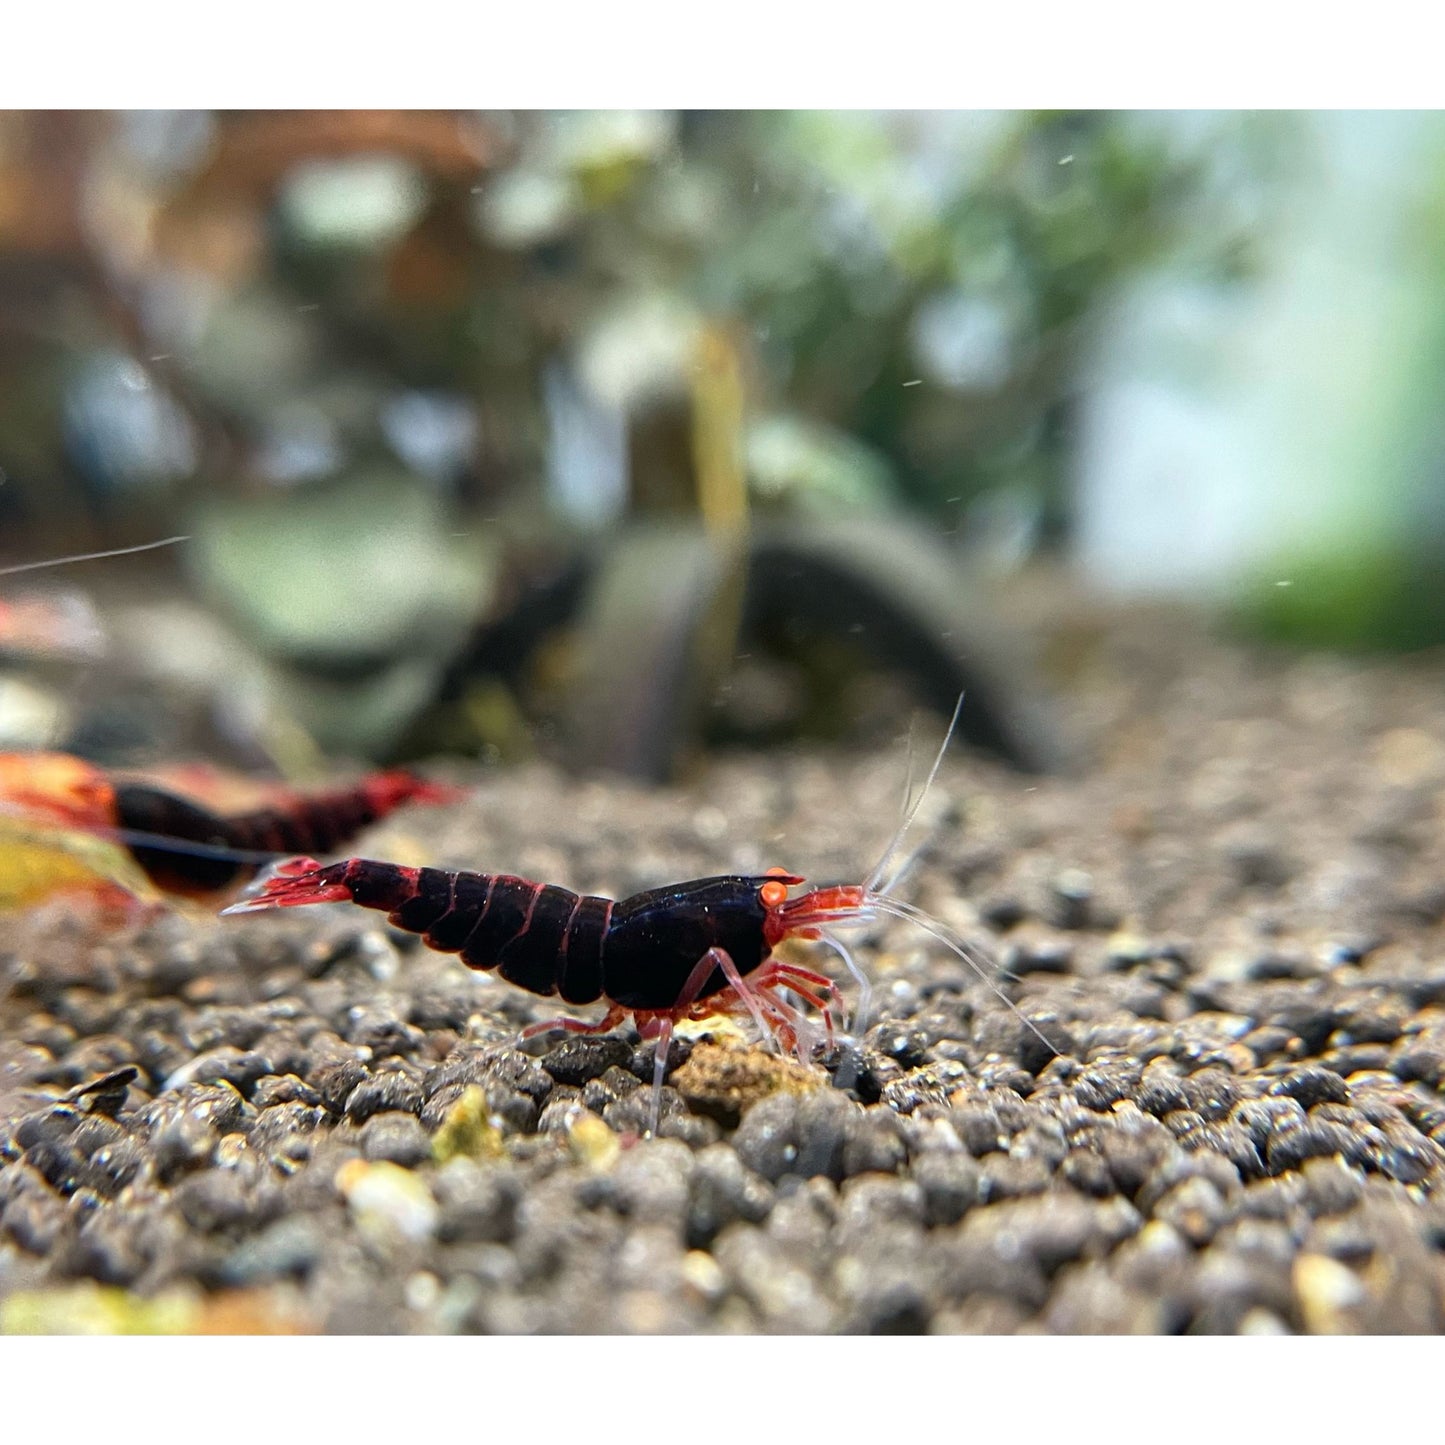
column 1355, row 553
column 911, row 286
column 913, row 283
column 550, row 323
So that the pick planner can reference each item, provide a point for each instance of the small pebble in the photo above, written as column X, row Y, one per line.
column 478, row 1203
column 467, row 1131
column 387, row 1201
column 397, row 1138
column 1328, row 1293
column 872, row 1143
column 585, row 1057
column 283, row 1089
column 724, row 1081
column 335, row 1079
column 1311, row 1086
column 723, row 1190
column 389, row 1090
column 240, row 1068
column 592, row 1142
column 951, row 1183
column 1002, row 913
column 288, row 1248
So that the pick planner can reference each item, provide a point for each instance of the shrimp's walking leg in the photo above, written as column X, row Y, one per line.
column 614, row 1016
column 793, row 1031
column 805, row 975
column 815, row 988
column 659, row 1070
column 744, row 991
column 703, row 970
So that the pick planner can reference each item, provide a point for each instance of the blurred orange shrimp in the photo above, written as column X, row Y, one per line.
column 68, row 827
column 180, row 845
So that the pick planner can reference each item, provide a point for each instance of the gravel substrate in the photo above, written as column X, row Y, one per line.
column 1228, row 929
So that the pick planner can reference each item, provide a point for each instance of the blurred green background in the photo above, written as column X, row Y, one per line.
column 613, row 434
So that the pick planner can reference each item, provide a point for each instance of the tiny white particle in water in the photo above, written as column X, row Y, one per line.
column 1066, row 160
column 917, row 382
column 1286, row 582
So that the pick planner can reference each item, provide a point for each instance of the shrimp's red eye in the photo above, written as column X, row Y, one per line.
column 773, row 894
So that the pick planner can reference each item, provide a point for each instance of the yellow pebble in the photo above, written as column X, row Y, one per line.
column 467, row 1132
column 1327, row 1290
column 593, row 1143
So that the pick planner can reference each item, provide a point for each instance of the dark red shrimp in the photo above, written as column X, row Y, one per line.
column 233, row 848
column 687, row 950
column 184, row 846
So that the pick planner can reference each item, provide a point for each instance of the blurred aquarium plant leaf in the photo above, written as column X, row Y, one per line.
column 344, row 571
column 361, row 203
column 806, row 467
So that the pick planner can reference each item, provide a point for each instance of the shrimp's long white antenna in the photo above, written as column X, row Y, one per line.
column 90, row 556
column 937, row 929
column 911, row 811
column 886, row 886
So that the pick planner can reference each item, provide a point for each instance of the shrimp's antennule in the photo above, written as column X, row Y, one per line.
column 910, row 810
